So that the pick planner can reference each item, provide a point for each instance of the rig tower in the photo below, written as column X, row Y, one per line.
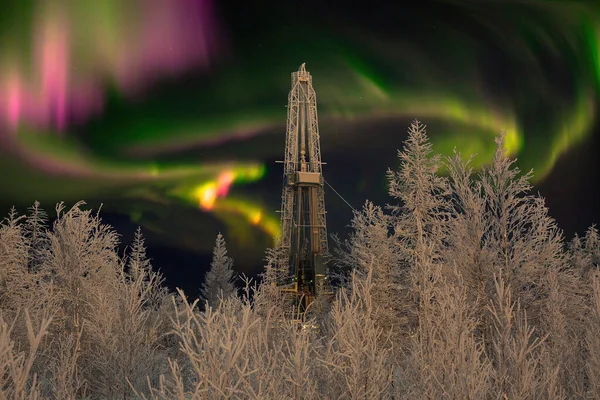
column 303, row 222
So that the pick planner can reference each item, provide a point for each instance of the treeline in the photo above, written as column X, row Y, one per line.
column 462, row 288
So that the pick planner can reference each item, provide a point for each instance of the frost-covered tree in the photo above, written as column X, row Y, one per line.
column 369, row 242
column 403, row 248
column 585, row 262
column 139, row 268
column 126, row 338
column 360, row 351
column 81, row 266
column 370, row 246
column 218, row 281
column 105, row 329
column 422, row 194
column 585, row 252
column 467, row 227
column 13, row 262
column 137, row 262
column 16, row 364
column 525, row 241
column 514, row 349
column 592, row 246
column 592, row 362
column 498, row 229
column 81, row 258
column 23, row 292
column 446, row 357
column 36, row 235
column 419, row 219
column 269, row 301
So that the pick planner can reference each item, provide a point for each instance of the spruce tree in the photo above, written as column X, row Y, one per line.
column 36, row 235
column 139, row 269
column 422, row 193
column 219, row 279
column 137, row 262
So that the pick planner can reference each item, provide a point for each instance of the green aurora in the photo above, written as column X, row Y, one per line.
column 148, row 135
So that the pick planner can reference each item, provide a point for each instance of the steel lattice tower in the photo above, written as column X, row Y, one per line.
column 303, row 222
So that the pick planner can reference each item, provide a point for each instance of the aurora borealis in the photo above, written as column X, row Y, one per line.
column 171, row 113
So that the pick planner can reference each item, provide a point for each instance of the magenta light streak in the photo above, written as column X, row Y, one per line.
column 13, row 102
column 52, row 56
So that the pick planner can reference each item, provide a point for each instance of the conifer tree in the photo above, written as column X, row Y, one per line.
column 139, row 268
column 419, row 220
column 276, row 268
column 219, row 279
column 422, row 194
column 524, row 241
column 137, row 262
column 36, row 235
column 269, row 300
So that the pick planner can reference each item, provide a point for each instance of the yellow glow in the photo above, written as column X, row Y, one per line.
column 207, row 194
column 255, row 218
column 252, row 213
column 212, row 196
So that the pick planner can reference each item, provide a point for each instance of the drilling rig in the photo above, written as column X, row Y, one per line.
column 303, row 241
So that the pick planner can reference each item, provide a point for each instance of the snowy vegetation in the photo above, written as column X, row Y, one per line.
column 462, row 288
column 218, row 282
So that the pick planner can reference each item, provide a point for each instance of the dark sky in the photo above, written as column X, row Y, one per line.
column 151, row 106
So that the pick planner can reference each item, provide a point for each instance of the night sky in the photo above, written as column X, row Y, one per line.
column 171, row 113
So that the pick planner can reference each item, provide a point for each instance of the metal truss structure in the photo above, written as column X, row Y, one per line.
column 303, row 241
